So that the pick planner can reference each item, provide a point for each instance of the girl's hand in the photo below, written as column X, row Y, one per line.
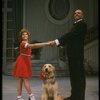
column 52, row 43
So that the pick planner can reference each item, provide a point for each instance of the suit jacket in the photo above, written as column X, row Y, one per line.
column 74, row 40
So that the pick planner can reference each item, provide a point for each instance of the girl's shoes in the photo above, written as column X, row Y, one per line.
column 20, row 98
column 32, row 97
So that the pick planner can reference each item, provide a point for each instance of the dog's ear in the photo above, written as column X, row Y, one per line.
column 43, row 67
column 53, row 68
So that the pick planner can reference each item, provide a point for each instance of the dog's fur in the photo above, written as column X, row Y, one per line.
column 49, row 86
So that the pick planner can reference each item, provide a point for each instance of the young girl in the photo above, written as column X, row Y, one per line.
column 23, row 67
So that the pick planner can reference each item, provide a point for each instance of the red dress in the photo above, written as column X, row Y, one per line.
column 23, row 67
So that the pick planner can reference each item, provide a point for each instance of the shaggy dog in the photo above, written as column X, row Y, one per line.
column 49, row 86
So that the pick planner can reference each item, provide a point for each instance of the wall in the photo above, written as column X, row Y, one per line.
column 42, row 28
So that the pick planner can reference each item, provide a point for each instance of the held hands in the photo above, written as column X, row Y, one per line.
column 52, row 43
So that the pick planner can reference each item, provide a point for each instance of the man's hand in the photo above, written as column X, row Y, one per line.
column 52, row 43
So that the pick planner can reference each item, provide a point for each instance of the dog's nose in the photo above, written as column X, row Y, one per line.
column 46, row 69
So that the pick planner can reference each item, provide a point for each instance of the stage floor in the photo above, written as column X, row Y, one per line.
column 9, row 87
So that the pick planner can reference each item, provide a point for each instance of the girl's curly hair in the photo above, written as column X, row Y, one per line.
column 21, row 32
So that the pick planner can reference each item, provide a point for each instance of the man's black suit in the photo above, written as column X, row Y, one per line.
column 74, row 41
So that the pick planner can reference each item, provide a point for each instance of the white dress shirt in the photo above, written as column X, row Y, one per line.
column 57, row 42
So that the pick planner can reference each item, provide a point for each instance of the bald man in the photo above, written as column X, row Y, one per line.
column 74, row 41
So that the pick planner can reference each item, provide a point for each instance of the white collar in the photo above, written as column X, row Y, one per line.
column 78, row 20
